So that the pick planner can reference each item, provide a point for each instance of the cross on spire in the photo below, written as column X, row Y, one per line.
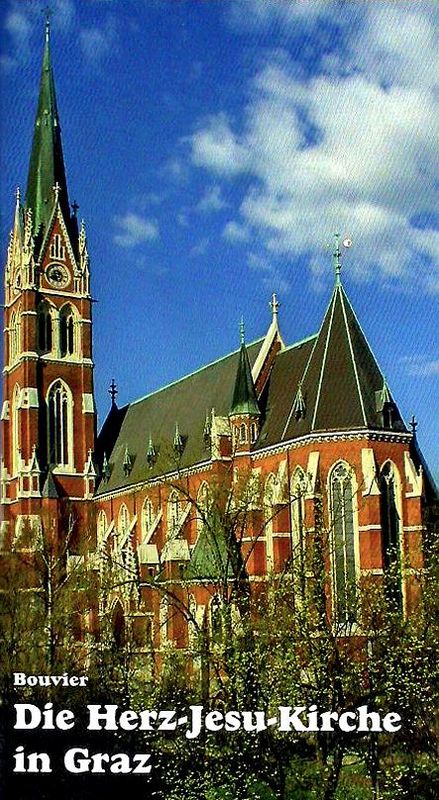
column 413, row 424
column 337, row 259
column 274, row 305
column 48, row 12
column 56, row 189
column 113, row 392
column 242, row 331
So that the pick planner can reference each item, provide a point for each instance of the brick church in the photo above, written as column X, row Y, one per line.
column 301, row 421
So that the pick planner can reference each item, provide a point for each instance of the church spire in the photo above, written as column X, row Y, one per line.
column 46, row 168
column 244, row 394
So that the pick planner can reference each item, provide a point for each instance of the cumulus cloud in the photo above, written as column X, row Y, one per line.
column 421, row 365
column 134, row 229
column 234, row 232
column 212, row 200
column 352, row 148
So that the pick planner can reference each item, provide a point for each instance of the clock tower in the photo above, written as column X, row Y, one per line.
column 48, row 413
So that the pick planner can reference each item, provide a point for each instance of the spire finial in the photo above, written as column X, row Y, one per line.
column 413, row 424
column 75, row 209
column 337, row 259
column 17, row 195
column 47, row 14
column 113, row 392
column 274, row 305
column 242, row 331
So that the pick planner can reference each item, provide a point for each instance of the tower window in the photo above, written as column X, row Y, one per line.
column 60, row 424
column 15, row 335
column 253, row 432
column 57, row 249
column 391, row 540
column 343, row 543
column 147, row 517
column 123, row 520
column 67, row 332
column 44, row 322
column 243, row 433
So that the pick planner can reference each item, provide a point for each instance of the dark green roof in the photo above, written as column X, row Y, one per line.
column 244, row 395
column 46, row 168
column 341, row 389
column 211, row 557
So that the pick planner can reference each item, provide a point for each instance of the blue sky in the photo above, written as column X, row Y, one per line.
column 214, row 147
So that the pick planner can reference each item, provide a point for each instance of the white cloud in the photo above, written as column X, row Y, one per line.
column 234, row 232
column 200, row 249
column 134, row 230
column 212, row 200
column 97, row 42
column 421, row 365
column 352, row 149
column 271, row 275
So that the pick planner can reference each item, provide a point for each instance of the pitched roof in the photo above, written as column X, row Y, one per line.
column 341, row 388
column 244, row 395
column 46, row 167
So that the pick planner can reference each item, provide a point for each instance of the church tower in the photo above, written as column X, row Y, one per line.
column 48, row 414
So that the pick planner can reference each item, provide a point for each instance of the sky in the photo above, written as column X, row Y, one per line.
column 214, row 148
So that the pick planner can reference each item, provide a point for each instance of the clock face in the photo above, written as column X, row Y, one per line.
column 57, row 275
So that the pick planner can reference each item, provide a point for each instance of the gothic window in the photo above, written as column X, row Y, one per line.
column 216, row 622
column 57, row 249
column 15, row 335
column 391, row 532
column 341, row 486
column 67, row 331
column 173, row 512
column 15, row 428
column 298, row 490
column 243, row 433
column 123, row 520
column 269, row 512
column 253, row 432
column 101, row 526
column 147, row 517
column 202, row 505
column 44, row 328
column 60, row 424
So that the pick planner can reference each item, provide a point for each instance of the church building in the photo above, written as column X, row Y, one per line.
column 311, row 425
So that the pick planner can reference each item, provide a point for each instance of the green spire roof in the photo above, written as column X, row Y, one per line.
column 244, row 394
column 46, row 168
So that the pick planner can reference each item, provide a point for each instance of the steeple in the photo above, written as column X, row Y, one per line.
column 46, row 179
column 244, row 394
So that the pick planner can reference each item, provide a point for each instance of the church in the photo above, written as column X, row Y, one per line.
column 310, row 427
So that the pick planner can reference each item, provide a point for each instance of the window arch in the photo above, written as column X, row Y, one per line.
column 298, row 491
column 269, row 511
column 174, row 511
column 44, row 328
column 57, row 249
column 60, row 424
column 147, row 517
column 202, row 505
column 15, row 335
column 253, row 432
column 67, row 331
column 15, row 438
column 342, row 491
column 102, row 526
column 242, row 433
column 123, row 520
column 391, row 530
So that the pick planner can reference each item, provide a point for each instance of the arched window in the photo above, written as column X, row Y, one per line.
column 123, row 520
column 391, row 532
column 102, row 526
column 174, row 511
column 15, row 429
column 147, row 517
column 15, row 335
column 243, row 433
column 202, row 505
column 253, row 432
column 216, row 620
column 60, row 424
column 341, row 486
column 298, row 491
column 44, row 328
column 269, row 513
column 67, row 343
column 163, row 619
column 57, row 249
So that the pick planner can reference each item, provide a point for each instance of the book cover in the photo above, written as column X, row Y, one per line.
column 218, row 542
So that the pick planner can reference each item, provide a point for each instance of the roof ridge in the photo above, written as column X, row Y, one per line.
column 351, row 350
column 301, row 341
column 325, row 353
column 195, row 372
